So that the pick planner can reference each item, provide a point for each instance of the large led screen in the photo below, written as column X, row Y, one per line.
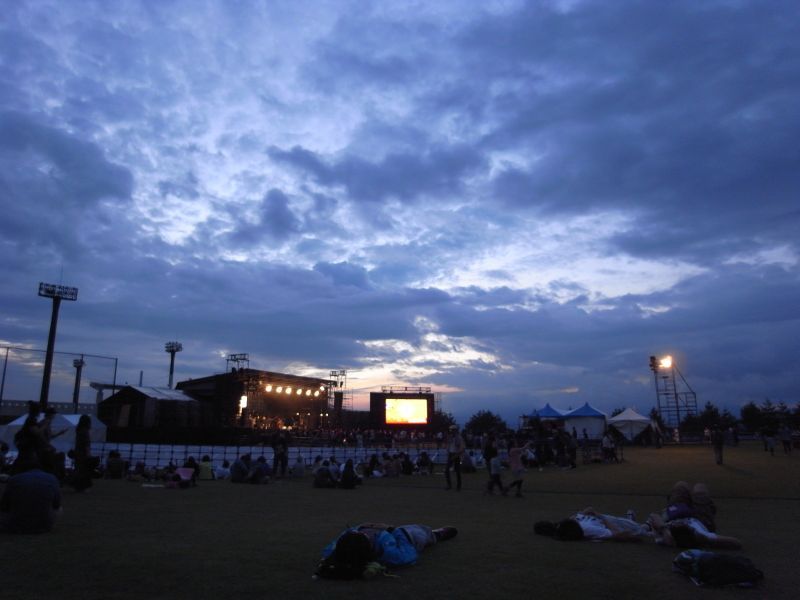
column 406, row 411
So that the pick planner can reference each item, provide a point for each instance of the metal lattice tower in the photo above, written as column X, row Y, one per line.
column 675, row 398
column 339, row 392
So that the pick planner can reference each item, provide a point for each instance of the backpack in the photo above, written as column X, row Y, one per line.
column 714, row 569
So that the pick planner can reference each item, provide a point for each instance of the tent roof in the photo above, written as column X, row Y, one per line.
column 548, row 412
column 628, row 415
column 585, row 411
column 163, row 393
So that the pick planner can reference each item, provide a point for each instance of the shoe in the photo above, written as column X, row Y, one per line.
column 445, row 533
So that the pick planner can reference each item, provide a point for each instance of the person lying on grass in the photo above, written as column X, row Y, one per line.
column 368, row 549
column 588, row 524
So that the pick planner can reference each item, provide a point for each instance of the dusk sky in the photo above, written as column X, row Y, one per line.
column 514, row 203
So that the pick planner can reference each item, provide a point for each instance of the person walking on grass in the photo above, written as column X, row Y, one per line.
column 455, row 449
column 515, row 454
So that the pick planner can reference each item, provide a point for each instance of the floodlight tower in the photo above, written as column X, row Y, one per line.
column 57, row 293
column 674, row 396
column 172, row 348
column 78, row 363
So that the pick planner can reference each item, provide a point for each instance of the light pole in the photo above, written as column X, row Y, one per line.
column 57, row 293
column 78, row 363
column 172, row 348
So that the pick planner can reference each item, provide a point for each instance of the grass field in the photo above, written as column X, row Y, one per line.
column 220, row 540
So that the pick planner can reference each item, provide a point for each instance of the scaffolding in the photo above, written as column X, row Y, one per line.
column 340, row 397
column 675, row 398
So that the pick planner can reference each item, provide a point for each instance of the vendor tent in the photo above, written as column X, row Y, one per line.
column 629, row 423
column 67, row 423
column 548, row 412
column 586, row 417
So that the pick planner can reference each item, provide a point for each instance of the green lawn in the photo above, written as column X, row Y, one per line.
column 221, row 540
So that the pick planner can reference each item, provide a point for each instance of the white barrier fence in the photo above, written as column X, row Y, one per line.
column 160, row 455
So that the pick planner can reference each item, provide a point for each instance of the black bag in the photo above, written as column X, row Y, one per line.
column 714, row 569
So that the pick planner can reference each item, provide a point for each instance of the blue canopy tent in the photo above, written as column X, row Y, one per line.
column 586, row 417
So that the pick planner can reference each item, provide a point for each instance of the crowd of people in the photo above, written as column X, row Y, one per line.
column 31, row 502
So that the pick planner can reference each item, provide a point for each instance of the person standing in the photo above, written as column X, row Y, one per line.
column 717, row 441
column 84, row 465
column 515, row 463
column 455, row 449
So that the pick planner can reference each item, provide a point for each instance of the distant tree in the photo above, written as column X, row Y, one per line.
column 769, row 414
column 485, row 421
column 782, row 411
column 727, row 419
column 617, row 411
column 751, row 417
column 692, row 424
column 441, row 421
column 710, row 416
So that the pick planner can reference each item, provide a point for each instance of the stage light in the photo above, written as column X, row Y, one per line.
column 288, row 390
column 322, row 387
column 242, row 402
column 316, row 393
column 665, row 363
column 279, row 389
column 299, row 392
column 308, row 392
column 269, row 387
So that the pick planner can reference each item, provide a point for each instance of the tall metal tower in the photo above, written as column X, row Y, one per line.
column 340, row 397
column 57, row 293
column 172, row 348
column 675, row 398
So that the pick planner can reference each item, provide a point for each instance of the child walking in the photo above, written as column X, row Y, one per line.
column 517, row 468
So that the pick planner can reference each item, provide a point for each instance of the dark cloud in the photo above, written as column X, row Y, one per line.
column 275, row 221
column 407, row 176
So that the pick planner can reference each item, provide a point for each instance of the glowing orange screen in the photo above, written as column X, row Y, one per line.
column 409, row 411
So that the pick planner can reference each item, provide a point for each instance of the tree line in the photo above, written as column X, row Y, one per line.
column 753, row 418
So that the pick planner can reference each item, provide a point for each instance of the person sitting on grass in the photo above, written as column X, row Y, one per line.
column 689, row 532
column 323, row 477
column 588, row 524
column 224, row 471
column 260, row 471
column 205, row 469
column 240, row 469
column 424, row 464
column 31, row 501
column 369, row 548
column 349, row 478
column 684, row 501
column 298, row 469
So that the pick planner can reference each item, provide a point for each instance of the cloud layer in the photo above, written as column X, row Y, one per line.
column 512, row 202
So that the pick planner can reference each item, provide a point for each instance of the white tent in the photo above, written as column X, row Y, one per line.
column 629, row 423
column 64, row 442
column 586, row 417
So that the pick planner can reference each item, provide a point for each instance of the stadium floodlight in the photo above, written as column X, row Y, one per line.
column 78, row 363
column 299, row 392
column 172, row 348
column 58, row 293
column 268, row 388
column 665, row 362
